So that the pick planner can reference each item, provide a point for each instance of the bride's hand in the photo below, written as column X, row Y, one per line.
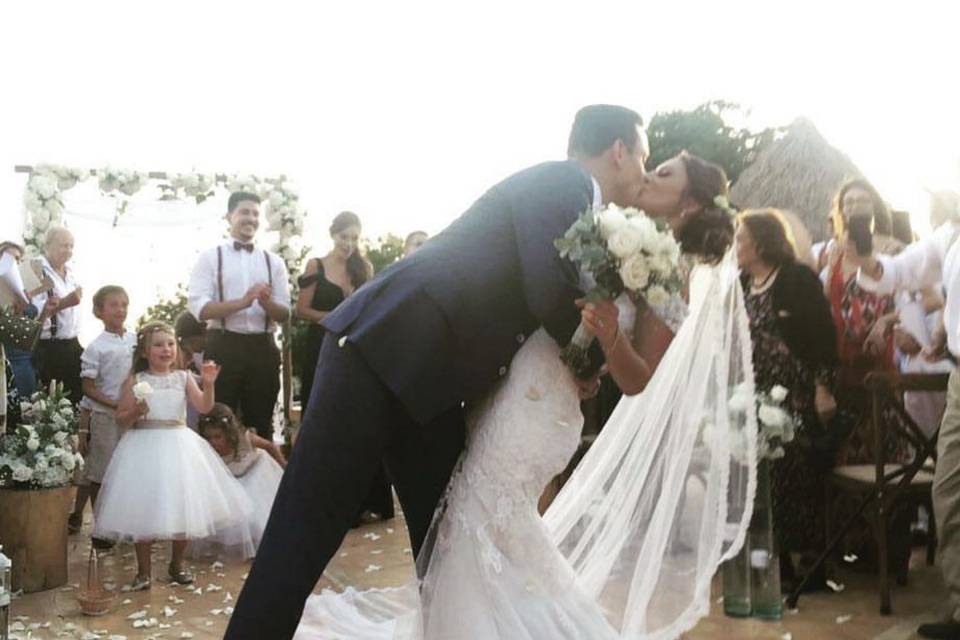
column 601, row 319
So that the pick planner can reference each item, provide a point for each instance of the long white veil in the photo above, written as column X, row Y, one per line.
column 663, row 496
column 666, row 491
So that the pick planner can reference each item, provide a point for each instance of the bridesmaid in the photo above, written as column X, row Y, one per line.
column 325, row 283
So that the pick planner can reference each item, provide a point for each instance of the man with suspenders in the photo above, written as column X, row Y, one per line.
column 241, row 292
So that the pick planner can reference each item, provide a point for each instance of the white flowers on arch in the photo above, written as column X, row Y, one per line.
column 43, row 201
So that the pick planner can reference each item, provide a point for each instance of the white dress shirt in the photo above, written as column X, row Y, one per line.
column 923, row 264
column 68, row 320
column 107, row 361
column 241, row 270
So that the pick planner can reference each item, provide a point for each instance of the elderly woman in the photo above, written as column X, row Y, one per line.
column 794, row 346
column 57, row 356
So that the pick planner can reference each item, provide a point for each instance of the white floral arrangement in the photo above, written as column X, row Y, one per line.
column 126, row 182
column 41, row 452
column 43, row 200
column 777, row 425
column 142, row 390
column 622, row 250
column 198, row 186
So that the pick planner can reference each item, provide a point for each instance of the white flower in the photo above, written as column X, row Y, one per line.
column 26, row 408
column 611, row 219
column 625, row 242
column 142, row 390
column 33, row 444
column 634, row 273
column 741, row 400
column 772, row 416
column 41, row 218
column 778, row 393
column 68, row 462
column 45, row 186
column 60, row 437
column 22, row 473
column 40, row 406
column 657, row 296
column 776, row 454
column 65, row 404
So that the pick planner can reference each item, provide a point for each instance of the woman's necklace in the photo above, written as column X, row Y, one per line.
column 763, row 283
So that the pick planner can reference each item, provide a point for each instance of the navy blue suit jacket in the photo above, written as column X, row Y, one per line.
column 441, row 326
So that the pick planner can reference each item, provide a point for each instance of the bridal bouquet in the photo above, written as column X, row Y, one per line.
column 621, row 249
column 41, row 452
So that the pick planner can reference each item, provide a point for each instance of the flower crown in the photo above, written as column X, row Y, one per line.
column 721, row 202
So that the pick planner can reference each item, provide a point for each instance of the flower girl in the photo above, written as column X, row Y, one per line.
column 163, row 481
column 256, row 462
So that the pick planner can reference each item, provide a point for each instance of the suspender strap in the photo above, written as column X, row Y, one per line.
column 266, row 316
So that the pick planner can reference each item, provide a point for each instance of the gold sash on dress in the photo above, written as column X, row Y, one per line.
column 159, row 424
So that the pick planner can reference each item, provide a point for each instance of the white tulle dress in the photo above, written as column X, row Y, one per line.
column 259, row 475
column 164, row 482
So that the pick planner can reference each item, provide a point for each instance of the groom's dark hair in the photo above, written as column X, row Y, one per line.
column 597, row 126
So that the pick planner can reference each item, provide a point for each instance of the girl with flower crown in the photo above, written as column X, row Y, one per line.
column 163, row 482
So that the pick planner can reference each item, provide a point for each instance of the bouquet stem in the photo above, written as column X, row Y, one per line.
column 576, row 354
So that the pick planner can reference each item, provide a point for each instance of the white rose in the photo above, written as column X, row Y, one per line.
column 45, row 187
column 41, row 218
column 60, row 437
column 625, row 242
column 276, row 198
column 22, row 473
column 26, row 408
column 776, row 454
column 33, row 444
column 772, row 416
column 40, row 462
column 68, row 463
column 634, row 273
column 65, row 404
column 778, row 393
column 142, row 390
column 32, row 201
column 611, row 219
column 657, row 296
column 289, row 254
column 741, row 400
column 78, row 459
column 644, row 225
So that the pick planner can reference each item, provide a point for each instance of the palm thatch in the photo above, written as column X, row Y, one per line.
column 800, row 172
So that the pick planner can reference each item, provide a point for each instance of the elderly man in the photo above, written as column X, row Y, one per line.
column 57, row 356
column 934, row 261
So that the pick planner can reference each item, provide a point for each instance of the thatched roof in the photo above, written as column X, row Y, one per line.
column 800, row 172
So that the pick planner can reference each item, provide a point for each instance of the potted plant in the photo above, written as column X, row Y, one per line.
column 38, row 460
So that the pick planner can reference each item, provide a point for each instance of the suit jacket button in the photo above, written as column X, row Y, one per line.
column 521, row 338
column 503, row 371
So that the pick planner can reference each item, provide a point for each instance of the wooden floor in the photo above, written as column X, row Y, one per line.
column 379, row 555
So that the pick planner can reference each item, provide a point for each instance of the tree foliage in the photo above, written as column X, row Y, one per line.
column 709, row 131
column 385, row 251
column 166, row 309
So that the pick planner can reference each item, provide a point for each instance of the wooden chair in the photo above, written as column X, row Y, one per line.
column 882, row 487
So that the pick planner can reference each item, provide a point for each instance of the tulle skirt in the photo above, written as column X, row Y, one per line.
column 167, row 484
column 260, row 484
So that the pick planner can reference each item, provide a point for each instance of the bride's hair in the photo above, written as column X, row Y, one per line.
column 707, row 232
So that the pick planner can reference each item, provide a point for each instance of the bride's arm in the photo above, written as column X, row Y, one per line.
column 630, row 371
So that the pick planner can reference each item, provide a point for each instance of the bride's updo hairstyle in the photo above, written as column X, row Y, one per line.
column 708, row 231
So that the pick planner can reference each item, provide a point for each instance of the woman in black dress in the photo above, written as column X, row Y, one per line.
column 794, row 346
column 325, row 283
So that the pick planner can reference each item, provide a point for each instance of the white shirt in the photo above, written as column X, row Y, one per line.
column 241, row 270
column 68, row 320
column 107, row 361
column 924, row 264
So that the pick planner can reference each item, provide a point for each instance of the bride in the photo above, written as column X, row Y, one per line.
column 629, row 546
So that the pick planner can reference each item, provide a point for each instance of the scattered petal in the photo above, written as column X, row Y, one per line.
column 850, row 557
column 168, row 612
column 127, row 601
column 376, row 552
column 372, row 568
column 228, row 597
column 186, row 635
column 370, row 535
column 389, row 529
column 214, row 587
column 844, row 619
column 836, row 587
column 136, row 615
column 343, row 554
column 216, row 565
column 216, row 612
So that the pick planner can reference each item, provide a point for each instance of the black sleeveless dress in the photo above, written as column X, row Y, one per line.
column 326, row 297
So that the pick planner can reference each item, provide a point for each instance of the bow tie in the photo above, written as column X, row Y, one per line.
column 242, row 246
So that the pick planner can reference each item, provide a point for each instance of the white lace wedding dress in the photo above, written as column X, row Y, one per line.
column 652, row 490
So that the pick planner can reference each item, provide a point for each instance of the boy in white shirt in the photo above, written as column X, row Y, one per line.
column 105, row 364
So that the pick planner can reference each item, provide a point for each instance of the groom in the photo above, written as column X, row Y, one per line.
column 407, row 352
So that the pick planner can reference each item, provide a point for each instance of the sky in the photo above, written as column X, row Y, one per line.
column 406, row 112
